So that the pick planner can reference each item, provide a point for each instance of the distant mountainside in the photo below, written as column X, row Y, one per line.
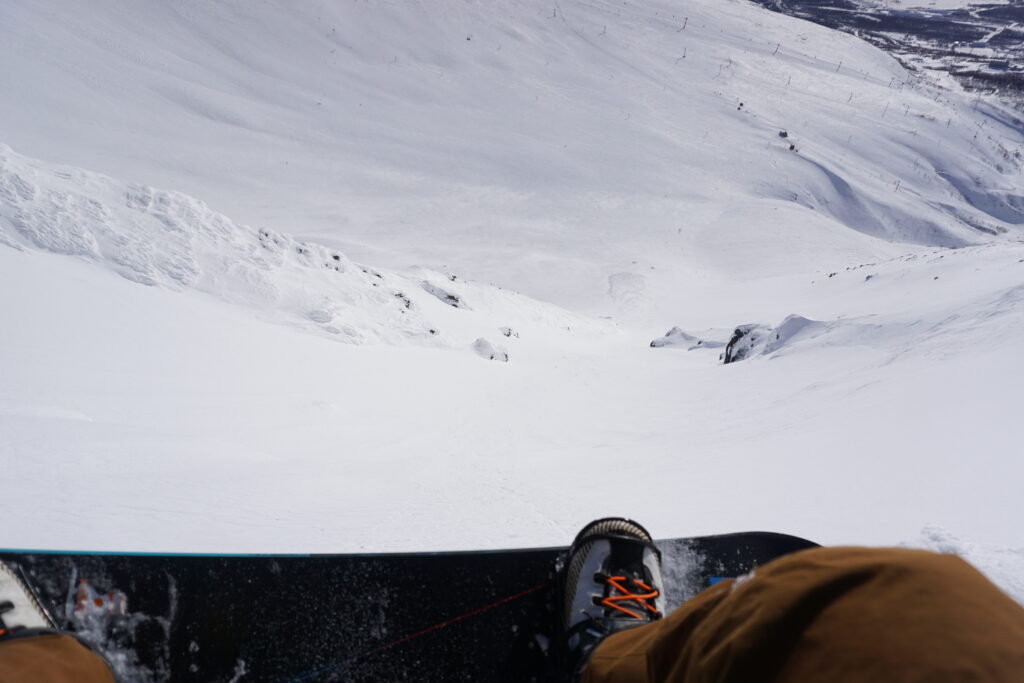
column 593, row 154
column 981, row 44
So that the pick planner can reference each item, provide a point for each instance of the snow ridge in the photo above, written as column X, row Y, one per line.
column 171, row 240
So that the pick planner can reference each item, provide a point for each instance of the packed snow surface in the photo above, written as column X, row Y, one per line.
column 392, row 276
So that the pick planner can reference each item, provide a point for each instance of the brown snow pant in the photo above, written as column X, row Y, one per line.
column 841, row 615
column 50, row 658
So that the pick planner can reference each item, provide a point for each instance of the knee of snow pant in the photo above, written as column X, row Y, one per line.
column 626, row 656
column 842, row 615
column 50, row 658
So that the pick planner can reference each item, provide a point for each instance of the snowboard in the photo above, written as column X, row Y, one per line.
column 455, row 616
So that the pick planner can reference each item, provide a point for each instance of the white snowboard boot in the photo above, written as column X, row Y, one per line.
column 611, row 581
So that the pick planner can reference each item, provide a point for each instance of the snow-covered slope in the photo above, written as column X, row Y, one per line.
column 137, row 417
column 246, row 360
column 196, row 424
column 541, row 147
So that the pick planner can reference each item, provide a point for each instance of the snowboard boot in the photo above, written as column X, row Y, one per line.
column 20, row 611
column 610, row 582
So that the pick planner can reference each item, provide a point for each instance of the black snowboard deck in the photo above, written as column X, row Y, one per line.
column 460, row 616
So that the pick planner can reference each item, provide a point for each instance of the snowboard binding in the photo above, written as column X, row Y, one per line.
column 21, row 613
column 608, row 581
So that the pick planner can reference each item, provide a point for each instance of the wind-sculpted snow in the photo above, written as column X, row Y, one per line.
column 755, row 340
column 488, row 351
column 168, row 239
column 709, row 339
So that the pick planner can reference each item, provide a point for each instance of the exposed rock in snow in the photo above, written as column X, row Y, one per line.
column 677, row 337
column 747, row 340
column 485, row 349
column 754, row 339
column 442, row 295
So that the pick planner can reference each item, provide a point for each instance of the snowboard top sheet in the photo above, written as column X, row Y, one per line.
column 448, row 616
